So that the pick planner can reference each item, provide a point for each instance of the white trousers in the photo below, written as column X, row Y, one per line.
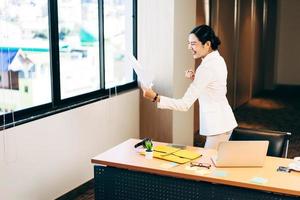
column 213, row 141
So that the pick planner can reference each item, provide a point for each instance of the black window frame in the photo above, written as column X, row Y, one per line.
column 58, row 105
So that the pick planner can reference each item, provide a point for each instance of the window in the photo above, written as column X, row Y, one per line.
column 118, row 24
column 24, row 55
column 78, row 46
column 60, row 53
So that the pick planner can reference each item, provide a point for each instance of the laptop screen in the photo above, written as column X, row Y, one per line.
column 241, row 154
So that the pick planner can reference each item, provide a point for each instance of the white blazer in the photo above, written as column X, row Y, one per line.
column 209, row 87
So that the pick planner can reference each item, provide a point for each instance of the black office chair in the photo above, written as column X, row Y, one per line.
column 278, row 141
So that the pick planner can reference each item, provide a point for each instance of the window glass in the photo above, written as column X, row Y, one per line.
column 78, row 46
column 26, row 76
column 118, row 35
column 24, row 54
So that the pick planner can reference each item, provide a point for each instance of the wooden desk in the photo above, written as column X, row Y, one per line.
column 124, row 171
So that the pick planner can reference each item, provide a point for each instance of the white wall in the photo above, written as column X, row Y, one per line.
column 163, row 29
column 184, row 22
column 46, row 158
column 287, row 60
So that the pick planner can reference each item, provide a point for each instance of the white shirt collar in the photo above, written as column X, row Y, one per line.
column 211, row 55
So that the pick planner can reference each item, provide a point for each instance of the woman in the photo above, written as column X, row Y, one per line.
column 209, row 87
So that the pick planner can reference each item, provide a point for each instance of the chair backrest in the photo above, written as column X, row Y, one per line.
column 278, row 141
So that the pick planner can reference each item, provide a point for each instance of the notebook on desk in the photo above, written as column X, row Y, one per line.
column 241, row 154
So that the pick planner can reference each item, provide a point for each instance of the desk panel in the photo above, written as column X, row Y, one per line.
column 121, row 184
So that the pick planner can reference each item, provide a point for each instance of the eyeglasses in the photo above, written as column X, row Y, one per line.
column 198, row 164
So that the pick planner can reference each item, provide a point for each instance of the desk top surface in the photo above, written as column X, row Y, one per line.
column 125, row 156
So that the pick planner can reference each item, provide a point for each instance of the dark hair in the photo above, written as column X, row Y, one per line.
column 205, row 33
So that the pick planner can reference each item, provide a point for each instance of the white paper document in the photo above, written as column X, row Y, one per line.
column 145, row 77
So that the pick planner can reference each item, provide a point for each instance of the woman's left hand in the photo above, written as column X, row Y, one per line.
column 190, row 74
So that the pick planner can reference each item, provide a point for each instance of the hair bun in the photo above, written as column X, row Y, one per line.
column 217, row 41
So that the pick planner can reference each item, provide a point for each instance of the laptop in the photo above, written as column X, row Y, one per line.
column 241, row 154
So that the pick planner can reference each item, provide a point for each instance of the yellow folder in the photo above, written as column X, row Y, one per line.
column 187, row 154
column 175, row 159
column 165, row 149
column 174, row 154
